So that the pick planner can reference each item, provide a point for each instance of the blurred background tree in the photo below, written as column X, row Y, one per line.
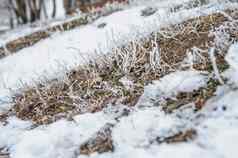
column 28, row 11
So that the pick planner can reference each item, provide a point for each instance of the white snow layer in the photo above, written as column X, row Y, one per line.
column 59, row 140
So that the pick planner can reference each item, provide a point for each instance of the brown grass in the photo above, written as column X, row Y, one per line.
column 92, row 87
column 198, row 97
column 195, row 33
column 178, row 138
column 101, row 142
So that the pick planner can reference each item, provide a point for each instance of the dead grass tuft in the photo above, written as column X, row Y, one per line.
column 180, row 137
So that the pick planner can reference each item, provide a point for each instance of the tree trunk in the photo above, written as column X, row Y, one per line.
column 54, row 9
column 20, row 10
column 44, row 10
column 69, row 6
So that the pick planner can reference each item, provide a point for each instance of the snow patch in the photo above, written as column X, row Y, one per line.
column 232, row 59
column 60, row 139
column 171, row 84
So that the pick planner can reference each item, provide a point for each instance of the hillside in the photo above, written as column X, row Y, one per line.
column 148, row 79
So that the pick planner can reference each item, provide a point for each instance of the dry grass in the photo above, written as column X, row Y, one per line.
column 92, row 87
column 190, row 35
column 180, row 137
column 101, row 82
column 198, row 97
column 101, row 142
column 203, row 42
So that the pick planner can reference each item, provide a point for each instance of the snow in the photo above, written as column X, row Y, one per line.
column 161, row 3
column 170, row 85
column 133, row 135
column 52, row 57
column 217, row 129
column 27, row 29
column 221, row 127
column 60, row 139
column 227, row 140
column 181, row 81
column 11, row 133
column 141, row 127
column 232, row 59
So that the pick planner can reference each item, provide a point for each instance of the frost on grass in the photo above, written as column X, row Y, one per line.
column 119, row 79
column 105, row 81
column 214, row 128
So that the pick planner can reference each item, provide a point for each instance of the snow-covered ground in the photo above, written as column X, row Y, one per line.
column 50, row 58
column 60, row 17
column 217, row 128
column 216, row 124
